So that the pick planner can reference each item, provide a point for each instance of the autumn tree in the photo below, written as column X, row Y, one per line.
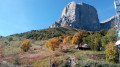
column 53, row 43
column 25, row 46
column 77, row 39
column 111, row 53
column 67, row 39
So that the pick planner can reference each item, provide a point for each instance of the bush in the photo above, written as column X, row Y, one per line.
column 40, row 37
column 25, row 46
column 111, row 53
column 10, row 39
column 17, row 61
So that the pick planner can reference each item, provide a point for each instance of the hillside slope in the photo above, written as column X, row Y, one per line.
column 45, row 34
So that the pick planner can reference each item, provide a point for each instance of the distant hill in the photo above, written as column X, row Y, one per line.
column 48, row 33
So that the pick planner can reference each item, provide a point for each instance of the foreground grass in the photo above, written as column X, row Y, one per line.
column 82, row 59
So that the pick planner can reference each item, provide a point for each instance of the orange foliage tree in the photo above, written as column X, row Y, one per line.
column 53, row 43
column 67, row 39
column 25, row 46
column 77, row 39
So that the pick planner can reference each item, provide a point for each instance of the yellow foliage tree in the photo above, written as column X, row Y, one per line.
column 53, row 43
column 111, row 53
column 67, row 39
column 25, row 46
column 77, row 39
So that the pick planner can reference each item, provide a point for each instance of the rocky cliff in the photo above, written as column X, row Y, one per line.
column 82, row 16
column 109, row 23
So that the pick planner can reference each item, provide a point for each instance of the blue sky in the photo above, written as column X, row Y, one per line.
column 18, row 16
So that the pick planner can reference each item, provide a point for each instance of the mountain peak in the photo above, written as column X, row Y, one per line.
column 73, row 2
column 81, row 15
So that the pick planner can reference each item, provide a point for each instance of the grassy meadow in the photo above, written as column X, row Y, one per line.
column 39, row 55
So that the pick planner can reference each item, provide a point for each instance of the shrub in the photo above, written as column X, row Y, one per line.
column 17, row 61
column 111, row 53
column 25, row 46
column 10, row 39
column 40, row 37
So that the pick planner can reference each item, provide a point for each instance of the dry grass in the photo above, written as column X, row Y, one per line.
column 39, row 56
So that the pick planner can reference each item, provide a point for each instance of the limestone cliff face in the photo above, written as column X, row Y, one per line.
column 109, row 23
column 82, row 16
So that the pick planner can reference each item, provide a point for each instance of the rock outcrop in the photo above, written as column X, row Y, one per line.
column 82, row 16
column 109, row 23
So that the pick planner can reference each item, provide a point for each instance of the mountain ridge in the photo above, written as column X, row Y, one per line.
column 82, row 16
